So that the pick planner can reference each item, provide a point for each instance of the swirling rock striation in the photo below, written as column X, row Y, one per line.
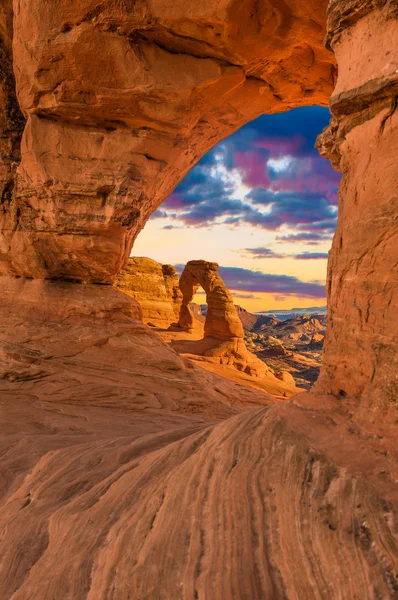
column 127, row 473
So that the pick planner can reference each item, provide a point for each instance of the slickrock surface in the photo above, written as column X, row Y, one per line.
column 271, row 503
column 86, row 344
column 193, row 346
column 155, row 287
column 223, row 331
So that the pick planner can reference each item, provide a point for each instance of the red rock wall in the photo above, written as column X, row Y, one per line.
column 11, row 127
column 361, row 352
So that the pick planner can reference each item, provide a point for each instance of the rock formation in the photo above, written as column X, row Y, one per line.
column 294, row 345
column 248, row 319
column 222, row 321
column 196, row 311
column 361, row 350
column 171, row 283
column 223, row 329
column 155, row 287
column 99, row 150
column 126, row 471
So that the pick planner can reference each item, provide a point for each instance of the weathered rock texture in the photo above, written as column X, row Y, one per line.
column 86, row 345
column 155, row 287
column 122, row 99
column 278, row 503
column 118, row 481
column 11, row 126
column 223, row 329
column 361, row 353
column 172, row 285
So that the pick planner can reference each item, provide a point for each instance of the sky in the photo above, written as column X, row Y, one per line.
column 263, row 205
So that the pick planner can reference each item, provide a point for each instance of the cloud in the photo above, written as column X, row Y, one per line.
column 252, row 165
column 309, row 238
column 239, row 280
column 311, row 256
column 290, row 209
column 262, row 253
column 244, row 296
column 266, row 175
column 246, row 280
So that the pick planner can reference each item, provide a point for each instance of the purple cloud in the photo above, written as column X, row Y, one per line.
column 262, row 253
column 311, row 256
column 246, row 280
column 290, row 185
column 309, row 238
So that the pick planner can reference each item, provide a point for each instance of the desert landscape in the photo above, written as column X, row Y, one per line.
column 158, row 448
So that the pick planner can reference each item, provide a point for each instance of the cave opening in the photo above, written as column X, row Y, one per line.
column 262, row 203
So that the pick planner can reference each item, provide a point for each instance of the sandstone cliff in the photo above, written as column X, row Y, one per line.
column 155, row 287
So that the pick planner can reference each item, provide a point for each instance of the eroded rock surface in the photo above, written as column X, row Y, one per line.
column 222, row 321
column 118, row 478
column 122, row 100
column 361, row 351
column 86, row 345
column 155, row 287
column 112, row 510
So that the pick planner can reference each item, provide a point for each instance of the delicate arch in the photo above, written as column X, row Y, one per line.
column 222, row 321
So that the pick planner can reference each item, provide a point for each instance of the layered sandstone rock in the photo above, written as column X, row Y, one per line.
column 155, row 287
column 361, row 352
column 122, row 100
column 172, row 286
column 11, row 126
column 271, row 503
column 86, row 345
column 116, row 480
column 223, row 330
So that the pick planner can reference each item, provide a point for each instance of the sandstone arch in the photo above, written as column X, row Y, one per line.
column 223, row 331
column 106, row 142
column 222, row 321
column 96, row 159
